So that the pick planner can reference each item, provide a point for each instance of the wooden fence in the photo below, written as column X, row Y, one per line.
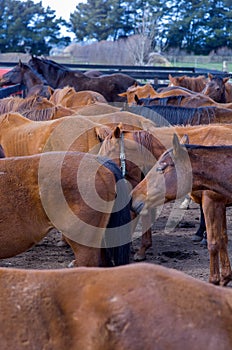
column 158, row 75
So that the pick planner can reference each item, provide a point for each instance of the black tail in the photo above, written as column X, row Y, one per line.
column 117, row 240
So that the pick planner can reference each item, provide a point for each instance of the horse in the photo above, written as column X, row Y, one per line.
column 218, row 89
column 35, row 83
column 70, row 98
column 20, row 136
column 53, row 192
column 147, row 90
column 129, row 121
column 163, row 115
column 105, row 309
column 194, row 169
column 97, row 108
column 107, row 85
column 142, row 149
column 196, row 84
column 89, row 73
column 194, row 100
column 18, row 104
column 50, row 113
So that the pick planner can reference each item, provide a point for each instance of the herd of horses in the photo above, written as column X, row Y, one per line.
column 90, row 154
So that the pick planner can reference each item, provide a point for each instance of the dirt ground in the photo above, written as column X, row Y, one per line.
column 171, row 248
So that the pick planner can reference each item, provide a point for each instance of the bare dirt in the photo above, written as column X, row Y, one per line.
column 171, row 247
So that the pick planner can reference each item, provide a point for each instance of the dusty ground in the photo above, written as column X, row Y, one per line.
column 171, row 249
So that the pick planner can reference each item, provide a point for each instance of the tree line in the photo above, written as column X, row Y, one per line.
column 197, row 27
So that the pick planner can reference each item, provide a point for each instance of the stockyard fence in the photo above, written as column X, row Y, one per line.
column 157, row 76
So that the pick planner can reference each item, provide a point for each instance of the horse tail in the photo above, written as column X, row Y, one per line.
column 117, row 240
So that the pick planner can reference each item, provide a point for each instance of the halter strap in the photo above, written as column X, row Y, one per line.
column 122, row 156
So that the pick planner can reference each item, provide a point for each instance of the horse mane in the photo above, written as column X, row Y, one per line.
column 39, row 114
column 163, row 115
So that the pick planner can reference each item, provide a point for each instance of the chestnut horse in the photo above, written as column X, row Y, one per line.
column 105, row 309
column 52, row 191
column 143, row 148
column 196, row 84
column 185, row 169
column 107, row 85
column 144, row 91
column 216, row 87
column 69, row 97
column 18, row 104
column 22, row 73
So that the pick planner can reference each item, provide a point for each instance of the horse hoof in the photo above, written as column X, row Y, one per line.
column 138, row 257
column 204, row 242
column 196, row 238
column 225, row 280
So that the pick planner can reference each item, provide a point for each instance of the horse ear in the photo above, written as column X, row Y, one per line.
column 225, row 80
column 210, row 76
column 176, row 145
column 136, row 99
column 102, row 132
column 20, row 63
column 185, row 140
column 170, row 77
column 117, row 131
column 123, row 94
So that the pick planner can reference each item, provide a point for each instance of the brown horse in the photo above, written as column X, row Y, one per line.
column 218, row 89
column 107, row 85
column 22, row 73
column 143, row 148
column 196, row 84
column 50, row 113
column 144, row 91
column 18, row 104
column 105, row 309
column 69, row 97
column 193, row 169
column 20, row 136
column 52, row 191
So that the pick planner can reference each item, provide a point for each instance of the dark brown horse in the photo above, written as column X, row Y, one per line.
column 24, row 74
column 43, row 191
column 196, row 169
column 218, row 89
column 107, row 85
column 193, row 101
column 163, row 115
column 140, row 306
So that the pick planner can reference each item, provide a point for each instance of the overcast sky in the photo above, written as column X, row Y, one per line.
column 63, row 9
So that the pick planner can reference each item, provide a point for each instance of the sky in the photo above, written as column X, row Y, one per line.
column 63, row 9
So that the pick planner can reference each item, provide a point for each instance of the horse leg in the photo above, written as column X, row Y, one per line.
column 199, row 235
column 226, row 274
column 214, row 210
column 84, row 255
column 146, row 240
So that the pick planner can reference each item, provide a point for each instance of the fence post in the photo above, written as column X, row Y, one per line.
column 224, row 67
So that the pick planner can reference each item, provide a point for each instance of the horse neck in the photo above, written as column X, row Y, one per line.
column 30, row 79
column 206, row 172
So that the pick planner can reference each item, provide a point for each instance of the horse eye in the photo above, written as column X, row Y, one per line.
column 161, row 167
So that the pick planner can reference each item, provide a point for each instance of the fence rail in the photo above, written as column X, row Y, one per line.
column 158, row 75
